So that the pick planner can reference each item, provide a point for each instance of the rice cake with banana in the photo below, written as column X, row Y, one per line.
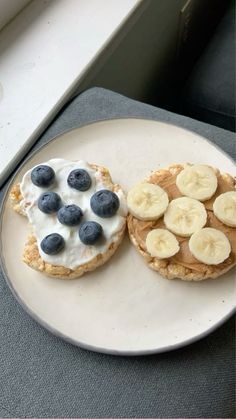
column 182, row 220
column 77, row 216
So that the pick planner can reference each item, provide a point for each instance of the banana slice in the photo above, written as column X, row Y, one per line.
column 147, row 201
column 210, row 246
column 197, row 181
column 184, row 216
column 161, row 243
column 224, row 208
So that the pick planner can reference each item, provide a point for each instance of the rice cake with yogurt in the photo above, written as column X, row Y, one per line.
column 76, row 257
column 183, row 264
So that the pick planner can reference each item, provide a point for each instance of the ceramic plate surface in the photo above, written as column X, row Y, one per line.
column 122, row 307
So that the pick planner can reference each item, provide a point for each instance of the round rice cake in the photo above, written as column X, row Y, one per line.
column 24, row 200
column 183, row 264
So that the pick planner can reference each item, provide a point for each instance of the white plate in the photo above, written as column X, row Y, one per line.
column 122, row 307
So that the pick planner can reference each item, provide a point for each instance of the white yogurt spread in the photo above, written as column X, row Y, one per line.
column 75, row 252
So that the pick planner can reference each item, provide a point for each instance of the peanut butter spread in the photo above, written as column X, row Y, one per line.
column 167, row 180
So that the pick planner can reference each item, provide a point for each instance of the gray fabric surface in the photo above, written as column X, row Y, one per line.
column 42, row 376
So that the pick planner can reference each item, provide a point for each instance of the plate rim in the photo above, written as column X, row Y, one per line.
column 45, row 324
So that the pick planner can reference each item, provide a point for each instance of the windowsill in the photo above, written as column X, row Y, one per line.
column 45, row 52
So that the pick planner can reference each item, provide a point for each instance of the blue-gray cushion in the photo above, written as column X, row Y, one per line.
column 42, row 376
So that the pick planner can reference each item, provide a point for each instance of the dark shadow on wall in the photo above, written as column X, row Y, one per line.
column 198, row 26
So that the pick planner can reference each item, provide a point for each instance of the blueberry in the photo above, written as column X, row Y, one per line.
column 79, row 179
column 42, row 175
column 70, row 215
column 104, row 203
column 90, row 232
column 49, row 202
column 52, row 244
